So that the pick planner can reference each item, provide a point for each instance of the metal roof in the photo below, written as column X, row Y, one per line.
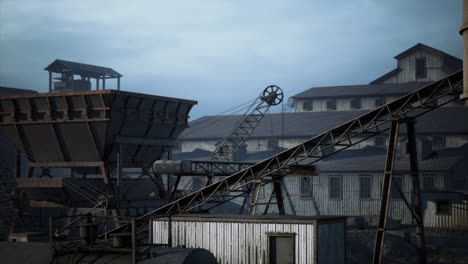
column 367, row 90
column 60, row 66
column 369, row 159
column 372, row 160
column 446, row 120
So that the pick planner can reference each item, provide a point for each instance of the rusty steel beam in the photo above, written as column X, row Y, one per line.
column 386, row 192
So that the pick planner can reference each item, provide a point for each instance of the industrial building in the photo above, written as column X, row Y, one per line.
column 107, row 168
column 349, row 183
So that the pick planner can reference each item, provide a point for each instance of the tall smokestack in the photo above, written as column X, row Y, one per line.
column 464, row 33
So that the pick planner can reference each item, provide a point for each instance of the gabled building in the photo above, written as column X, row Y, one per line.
column 416, row 67
column 349, row 183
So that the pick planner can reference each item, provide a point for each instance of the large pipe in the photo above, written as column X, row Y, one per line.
column 464, row 33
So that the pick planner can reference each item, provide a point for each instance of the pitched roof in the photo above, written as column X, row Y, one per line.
column 397, row 89
column 425, row 47
column 450, row 65
column 445, row 120
column 372, row 159
column 59, row 66
column 8, row 90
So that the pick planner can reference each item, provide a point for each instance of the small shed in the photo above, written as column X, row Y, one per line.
column 257, row 239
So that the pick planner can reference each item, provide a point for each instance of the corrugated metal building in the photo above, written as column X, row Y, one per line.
column 247, row 239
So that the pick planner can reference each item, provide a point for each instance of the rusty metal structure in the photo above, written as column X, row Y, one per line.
column 95, row 134
column 385, row 118
column 68, row 69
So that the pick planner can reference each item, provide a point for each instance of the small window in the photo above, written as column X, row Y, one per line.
column 331, row 104
column 438, row 140
column 356, row 103
column 281, row 248
column 443, row 207
column 421, row 71
column 380, row 141
column 379, row 101
column 335, row 187
column 272, row 144
column 365, row 187
column 428, row 182
column 399, row 181
column 306, row 187
column 307, row 106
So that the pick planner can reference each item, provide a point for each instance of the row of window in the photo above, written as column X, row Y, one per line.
column 335, row 186
column 331, row 104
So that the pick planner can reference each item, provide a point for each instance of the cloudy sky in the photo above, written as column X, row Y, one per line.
column 221, row 53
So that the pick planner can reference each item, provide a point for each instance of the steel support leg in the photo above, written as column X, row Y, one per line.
column 386, row 191
column 416, row 192
column 256, row 193
column 279, row 195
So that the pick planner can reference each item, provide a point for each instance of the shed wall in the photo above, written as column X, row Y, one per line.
column 236, row 242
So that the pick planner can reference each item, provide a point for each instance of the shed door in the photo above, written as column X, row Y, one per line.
column 281, row 249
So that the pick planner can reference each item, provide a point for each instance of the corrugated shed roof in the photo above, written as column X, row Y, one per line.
column 76, row 67
column 445, row 120
column 394, row 89
column 8, row 90
column 372, row 159
column 367, row 160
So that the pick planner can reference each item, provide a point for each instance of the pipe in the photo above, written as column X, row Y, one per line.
column 464, row 33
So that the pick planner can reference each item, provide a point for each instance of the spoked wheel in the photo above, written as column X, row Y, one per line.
column 273, row 95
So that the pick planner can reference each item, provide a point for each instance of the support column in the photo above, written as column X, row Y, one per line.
column 279, row 195
column 253, row 203
column 416, row 192
column 97, row 83
column 118, row 175
column 118, row 83
column 103, row 83
column 386, row 192
column 50, row 81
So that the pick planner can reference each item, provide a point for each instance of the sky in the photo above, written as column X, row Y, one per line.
column 221, row 53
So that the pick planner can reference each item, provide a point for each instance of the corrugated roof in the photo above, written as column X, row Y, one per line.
column 372, row 159
column 8, row 90
column 395, row 89
column 445, row 120
column 59, row 66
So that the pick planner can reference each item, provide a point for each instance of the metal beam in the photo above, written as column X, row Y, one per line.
column 416, row 192
column 386, row 192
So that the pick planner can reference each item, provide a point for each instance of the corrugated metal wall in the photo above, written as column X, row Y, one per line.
column 237, row 242
column 352, row 205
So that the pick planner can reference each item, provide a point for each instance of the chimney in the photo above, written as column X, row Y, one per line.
column 464, row 33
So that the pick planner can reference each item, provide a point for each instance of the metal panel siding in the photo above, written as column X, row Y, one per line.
column 330, row 243
column 352, row 205
column 233, row 242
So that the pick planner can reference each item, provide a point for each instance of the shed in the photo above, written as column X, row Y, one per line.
column 257, row 239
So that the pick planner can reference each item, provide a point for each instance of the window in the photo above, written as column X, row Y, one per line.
column 306, row 187
column 335, row 187
column 281, row 248
column 428, row 182
column 443, row 207
column 272, row 144
column 438, row 140
column 331, row 104
column 356, row 103
column 399, row 181
column 307, row 106
column 365, row 187
column 380, row 141
column 421, row 71
column 379, row 101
